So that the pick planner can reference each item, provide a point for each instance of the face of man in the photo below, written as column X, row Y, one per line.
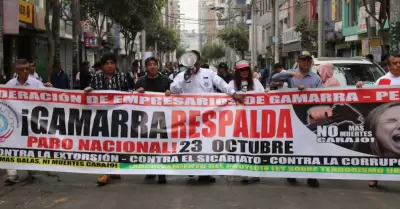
column 304, row 64
column 394, row 65
column 32, row 69
column 152, row 68
column 168, row 65
column 221, row 71
column 109, row 67
column 22, row 70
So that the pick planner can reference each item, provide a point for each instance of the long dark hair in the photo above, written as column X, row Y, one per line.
column 238, row 79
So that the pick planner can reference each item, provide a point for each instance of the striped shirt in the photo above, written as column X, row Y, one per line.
column 118, row 81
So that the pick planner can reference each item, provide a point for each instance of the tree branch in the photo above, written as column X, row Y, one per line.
column 369, row 12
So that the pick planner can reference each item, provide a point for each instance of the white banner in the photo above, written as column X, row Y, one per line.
column 333, row 133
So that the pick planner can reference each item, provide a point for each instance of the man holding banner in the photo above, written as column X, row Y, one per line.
column 154, row 81
column 391, row 78
column 302, row 78
column 201, row 80
column 108, row 79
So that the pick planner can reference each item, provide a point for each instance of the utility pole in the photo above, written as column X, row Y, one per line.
column 2, row 74
column 143, row 42
column 253, row 32
column 394, row 28
column 371, row 24
column 276, row 31
column 76, row 16
column 321, row 29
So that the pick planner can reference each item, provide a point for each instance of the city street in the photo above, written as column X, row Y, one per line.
column 79, row 191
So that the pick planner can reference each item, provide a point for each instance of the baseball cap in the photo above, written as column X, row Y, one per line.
column 305, row 55
column 222, row 65
column 242, row 64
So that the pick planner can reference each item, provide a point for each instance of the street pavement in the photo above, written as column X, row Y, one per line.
column 79, row 191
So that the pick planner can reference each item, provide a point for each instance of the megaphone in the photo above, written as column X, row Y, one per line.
column 188, row 59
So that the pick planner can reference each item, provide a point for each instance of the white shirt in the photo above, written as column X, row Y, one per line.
column 258, row 87
column 201, row 82
column 394, row 80
column 30, row 82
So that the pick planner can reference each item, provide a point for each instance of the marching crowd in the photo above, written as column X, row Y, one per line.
column 105, row 75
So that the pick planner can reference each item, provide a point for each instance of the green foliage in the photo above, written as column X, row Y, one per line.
column 167, row 38
column 212, row 52
column 236, row 38
column 308, row 33
column 179, row 51
column 131, row 15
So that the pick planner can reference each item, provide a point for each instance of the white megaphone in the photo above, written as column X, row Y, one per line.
column 188, row 59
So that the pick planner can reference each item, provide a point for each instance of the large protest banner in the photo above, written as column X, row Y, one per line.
column 331, row 133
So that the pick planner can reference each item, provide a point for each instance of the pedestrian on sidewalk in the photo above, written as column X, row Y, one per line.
column 301, row 78
column 60, row 79
column 108, row 79
column 23, row 70
column 154, row 81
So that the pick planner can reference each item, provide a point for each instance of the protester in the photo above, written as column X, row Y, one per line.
column 325, row 71
column 108, row 79
column 264, row 75
column 23, row 79
column 154, row 81
column 134, row 74
column 223, row 72
column 243, row 80
column 32, row 72
column 168, row 70
column 301, row 78
column 60, row 79
column 84, row 76
column 201, row 80
column 179, row 69
column 370, row 57
column 257, row 73
column 278, row 68
column 390, row 78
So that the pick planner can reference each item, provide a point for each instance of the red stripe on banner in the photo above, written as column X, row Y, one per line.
column 207, row 100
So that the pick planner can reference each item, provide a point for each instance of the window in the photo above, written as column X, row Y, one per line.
column 338, row 11
column 353, row 8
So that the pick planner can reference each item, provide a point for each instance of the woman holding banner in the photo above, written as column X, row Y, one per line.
column 244, row 81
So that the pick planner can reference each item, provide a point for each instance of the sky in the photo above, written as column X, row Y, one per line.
column 190, row 9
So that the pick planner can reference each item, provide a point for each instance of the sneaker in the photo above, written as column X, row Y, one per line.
column 162, row 179
column 291, row 180
column 150, row 177
column 244, row 179
column 115, row 176
column 11, row 180
column 208, row 179
column 313, row 183
column 103, row 180
column 256, row 179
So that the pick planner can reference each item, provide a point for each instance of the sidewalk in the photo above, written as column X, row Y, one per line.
column 80, row 191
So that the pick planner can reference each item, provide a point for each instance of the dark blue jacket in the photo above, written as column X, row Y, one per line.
column 60, row 80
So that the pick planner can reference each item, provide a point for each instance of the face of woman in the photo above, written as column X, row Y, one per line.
column 388, row 131
column 244, row 73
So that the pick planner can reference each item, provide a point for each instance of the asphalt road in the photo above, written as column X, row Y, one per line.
column 78, row 191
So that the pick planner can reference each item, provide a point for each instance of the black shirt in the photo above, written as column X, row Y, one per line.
column 159, row 84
